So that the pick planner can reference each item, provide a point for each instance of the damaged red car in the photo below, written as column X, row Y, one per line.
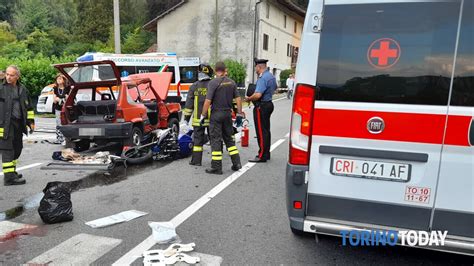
column 103, row 107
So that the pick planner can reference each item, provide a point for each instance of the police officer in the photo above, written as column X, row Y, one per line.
column 193, row 108
column 16, row 113
column 221, row 93
column 262, row 99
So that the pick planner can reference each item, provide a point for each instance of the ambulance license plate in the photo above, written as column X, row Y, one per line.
column 371, row 169
column 91, row 132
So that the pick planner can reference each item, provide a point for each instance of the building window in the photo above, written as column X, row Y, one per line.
column 275, row 46
column 296, row 26
column 284, row 21
column 288, row 47
column 265, row 42
column 268, row 10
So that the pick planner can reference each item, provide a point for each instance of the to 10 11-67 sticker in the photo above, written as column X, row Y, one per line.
column 417, row 194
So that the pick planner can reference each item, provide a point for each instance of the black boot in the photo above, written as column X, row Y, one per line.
column 196, row 159
column 236, row 165
column 216, row 168
column 11, row 179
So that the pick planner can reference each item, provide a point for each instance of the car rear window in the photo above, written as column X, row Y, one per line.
column 388, row 53
column 463, row 86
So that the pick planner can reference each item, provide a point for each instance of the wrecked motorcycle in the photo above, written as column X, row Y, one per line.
column 163, row 144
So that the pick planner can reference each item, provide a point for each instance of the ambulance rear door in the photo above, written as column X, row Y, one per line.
column 382, row 91
column 454, row 207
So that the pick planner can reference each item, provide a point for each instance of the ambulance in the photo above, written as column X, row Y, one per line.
column 382, row 132
column 184, row 72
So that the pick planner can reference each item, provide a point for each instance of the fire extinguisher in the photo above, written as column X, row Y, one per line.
column 244, row 141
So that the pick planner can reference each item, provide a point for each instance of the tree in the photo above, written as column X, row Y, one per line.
column 236, row 70
column 6, row 7
column 137, row 42
column 30, row 15
column 39, row 42
column 6, row 35
column 96, row 17
column 283, row 76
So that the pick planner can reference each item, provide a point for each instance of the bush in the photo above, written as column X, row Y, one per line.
column 236, row 70
column 284, row 76
column 36, row 72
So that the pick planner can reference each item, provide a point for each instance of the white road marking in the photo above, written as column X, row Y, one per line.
column 26, row 167
column 287, row 135
column 82, row 249
column 137, row 251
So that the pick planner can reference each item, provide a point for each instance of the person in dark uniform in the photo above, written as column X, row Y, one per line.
column 193, row 108
column 262, row 99
column 220, row 94
column 16, row 113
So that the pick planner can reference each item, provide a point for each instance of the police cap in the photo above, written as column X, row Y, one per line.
column 260, row 61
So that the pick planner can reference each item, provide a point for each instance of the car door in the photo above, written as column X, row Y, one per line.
column 380, row 110
column 454, row 205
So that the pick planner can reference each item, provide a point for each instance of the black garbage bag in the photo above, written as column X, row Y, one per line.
column 56, row 205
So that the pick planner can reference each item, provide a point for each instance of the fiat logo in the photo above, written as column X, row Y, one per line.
column 375, row 125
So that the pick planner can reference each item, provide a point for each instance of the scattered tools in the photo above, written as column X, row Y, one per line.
column 171, row 255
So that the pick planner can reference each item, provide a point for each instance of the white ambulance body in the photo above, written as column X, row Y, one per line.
column 382, row 127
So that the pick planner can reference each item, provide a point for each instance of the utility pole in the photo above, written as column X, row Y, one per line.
column 117, row 26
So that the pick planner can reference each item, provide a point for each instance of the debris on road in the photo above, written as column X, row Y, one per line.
column 171, row 255
column 56, row 205
column 116, row 218
column 163, row 232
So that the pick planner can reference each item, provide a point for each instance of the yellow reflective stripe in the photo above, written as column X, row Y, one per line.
column 217, row 158
column 31, row 115
column 233, row 148
column 216, row 153
column 1, row 129
column 15, row 162
column 187, row 111
column 10, row 164
column 197, row 148
column 234, row 152
column 1, row 134
column 9, row 170
column 196, row 102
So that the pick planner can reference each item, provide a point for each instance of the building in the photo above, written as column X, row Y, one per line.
column 235, row 29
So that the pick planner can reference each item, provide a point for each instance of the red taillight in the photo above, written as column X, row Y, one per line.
column 297, row 205
column 119, row 115
column 301, row 124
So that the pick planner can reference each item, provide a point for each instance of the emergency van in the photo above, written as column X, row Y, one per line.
column 382, row 130
column 184, row 72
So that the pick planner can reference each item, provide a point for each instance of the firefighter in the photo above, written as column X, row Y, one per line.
column 220, row 94
column 16, row 113
column 262, row 99
column 193, row 108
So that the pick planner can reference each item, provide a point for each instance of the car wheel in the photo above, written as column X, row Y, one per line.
column 173, row 123
column 136, row 137
column 82, row 145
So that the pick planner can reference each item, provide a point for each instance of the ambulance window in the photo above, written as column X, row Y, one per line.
column 369, row 54
column 147, row 69
column 463, row 86
column 188, row 74
column 171, row 69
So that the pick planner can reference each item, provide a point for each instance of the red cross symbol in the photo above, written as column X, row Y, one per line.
column 384, row 53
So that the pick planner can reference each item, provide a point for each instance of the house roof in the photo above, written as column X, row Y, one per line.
column 151, row 25
column 288, row 4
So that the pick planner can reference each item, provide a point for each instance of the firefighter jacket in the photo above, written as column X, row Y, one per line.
column 6, row 106
column 195, row 102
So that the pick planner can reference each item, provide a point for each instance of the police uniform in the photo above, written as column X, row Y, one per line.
column 193, row 108
column 222, row 91
column 16, row 113
column 266, row 85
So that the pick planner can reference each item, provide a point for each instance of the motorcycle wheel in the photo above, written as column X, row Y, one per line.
column 137, row 156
